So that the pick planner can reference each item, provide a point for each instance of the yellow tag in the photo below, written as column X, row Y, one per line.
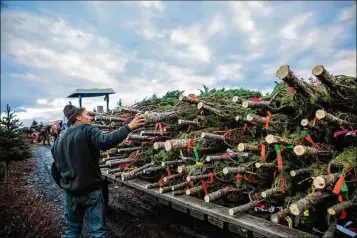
column 181, row 153
column 107, row 154
column 290, row 222
column 199, row 163
column 306, row 213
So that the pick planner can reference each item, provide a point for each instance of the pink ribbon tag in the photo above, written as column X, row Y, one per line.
column 256, row 100
column 338, row 133
column 290, row 89
column 317, row 84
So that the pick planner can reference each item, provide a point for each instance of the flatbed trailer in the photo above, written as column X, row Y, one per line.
column 243, row 224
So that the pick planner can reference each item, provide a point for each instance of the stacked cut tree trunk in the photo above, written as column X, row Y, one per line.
column 290, row 156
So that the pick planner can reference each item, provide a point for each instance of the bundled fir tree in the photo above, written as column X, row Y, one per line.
column 13, row 144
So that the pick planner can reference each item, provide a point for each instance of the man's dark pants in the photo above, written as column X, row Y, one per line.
column 75, row 208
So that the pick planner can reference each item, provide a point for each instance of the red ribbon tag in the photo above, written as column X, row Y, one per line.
column 239, row 177
column 343, row 213
column 190, row 127
column 204, row 187
column 258, row 204
column 274, row 174
column 280, row 161
column 340, row 182
column 211, row 178
column 190, row 143
column 267, row 120
column 245, row 127
column 158, row 124
column 125, row 121
column 290, row 89
column 262, row 152
column 168, row 172
column 282, row 181
column 309, row 139
column 229, row 133
column 314, row 121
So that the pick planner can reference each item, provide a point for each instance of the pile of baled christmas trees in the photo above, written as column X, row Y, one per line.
column 290, row 156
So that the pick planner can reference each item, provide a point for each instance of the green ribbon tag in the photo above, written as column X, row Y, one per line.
column 290, row 147
column 277, row 148
column 195, row 150
column 344, row 187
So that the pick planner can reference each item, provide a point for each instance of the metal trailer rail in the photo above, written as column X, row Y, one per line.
column 244, row 224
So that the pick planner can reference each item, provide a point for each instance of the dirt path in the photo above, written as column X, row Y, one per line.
column 129, row 215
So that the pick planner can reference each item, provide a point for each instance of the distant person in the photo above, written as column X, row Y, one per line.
column 76, row 155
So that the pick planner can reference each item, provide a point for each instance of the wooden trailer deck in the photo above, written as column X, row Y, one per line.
column 244, row 224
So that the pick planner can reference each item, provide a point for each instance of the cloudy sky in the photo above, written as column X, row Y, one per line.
column 48, row 49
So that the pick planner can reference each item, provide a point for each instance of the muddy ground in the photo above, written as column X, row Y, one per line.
column 129, row 215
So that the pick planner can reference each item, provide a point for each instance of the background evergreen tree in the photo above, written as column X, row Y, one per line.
column 119, row 103
column 34, row 123
column 13, row 144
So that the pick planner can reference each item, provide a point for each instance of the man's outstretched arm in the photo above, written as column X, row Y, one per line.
column 105, row 141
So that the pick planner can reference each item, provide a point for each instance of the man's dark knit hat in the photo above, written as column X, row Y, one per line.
column 71, row 112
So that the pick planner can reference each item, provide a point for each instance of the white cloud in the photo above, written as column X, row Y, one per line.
column 68, row 51
column 27, row 76
column 291, row 30
column 230, row 72
column 42, row 101
column 158, row 5
column 347, row 13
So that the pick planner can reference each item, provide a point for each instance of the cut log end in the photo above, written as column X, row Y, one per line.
column 156, row 146
column 200, row 105
column 188, row 179
column 294, row 209
column 203, row 135
column 180, row 169
column 293, row 173
column 240, row 147
column 264, row 194
column 225, row 171
column 304, row 122
column 188, row 192
column 257, row 165
column 283, row 72
column 320, row 114
column 237, row 118
column 161, row 190
column 206, row 198
column 250, row 117
column 168, row 146
column 181, row 97
column 235, row 99
column 231, row 212
column 179, row 121
column 208, row 158
column 269, row 139
column 318, row 70
column 331, row 211
column 299, row 150
column 274, row 218
column 319, row 182
column 245, row 104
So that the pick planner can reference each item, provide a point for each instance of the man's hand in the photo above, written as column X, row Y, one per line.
column 138, row 121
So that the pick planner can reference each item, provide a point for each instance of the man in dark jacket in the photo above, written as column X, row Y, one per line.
column 76, row 154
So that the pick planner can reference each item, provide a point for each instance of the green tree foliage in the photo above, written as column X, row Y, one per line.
column 34, row 123
column 13, row 144
column 119, row 103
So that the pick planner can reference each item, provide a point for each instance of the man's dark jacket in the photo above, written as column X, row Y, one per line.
column 76, row 155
